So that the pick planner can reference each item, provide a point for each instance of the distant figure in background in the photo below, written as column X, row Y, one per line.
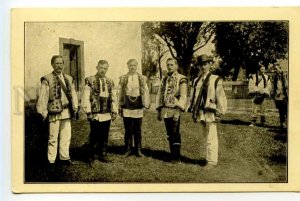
column 133, row 98
column 171, row 102
column 58, row 101
column 259, row 88
column 99, row 102
column 280, row 94
column 208, row 104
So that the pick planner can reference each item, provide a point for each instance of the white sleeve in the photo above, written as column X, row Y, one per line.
column 43, row 98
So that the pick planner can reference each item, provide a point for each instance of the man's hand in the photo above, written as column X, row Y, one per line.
column 113, row 116
column 159, row 117
column 89, row 116
column 42, row 117
column 176, row 115
column 75, row 116
column 218, row 118
column 121, row 112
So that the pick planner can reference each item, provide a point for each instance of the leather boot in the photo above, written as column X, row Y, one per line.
column 138, row 146
column 103, row 154
column 176, row 153
column 128, row 146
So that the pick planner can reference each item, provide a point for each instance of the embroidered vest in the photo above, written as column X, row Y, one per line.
column 128, row 102
column 100, row 104
column 178, row 79
column 55, row 90
column 206, row 99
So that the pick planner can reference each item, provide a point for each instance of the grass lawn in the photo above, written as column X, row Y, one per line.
column 246, row 154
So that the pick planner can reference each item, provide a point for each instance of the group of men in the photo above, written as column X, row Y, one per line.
column 103, row 101
column 262, row 86
column 58, row 102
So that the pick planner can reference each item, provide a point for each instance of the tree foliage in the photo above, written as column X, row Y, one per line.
column 246, row 44
column 183, row 39
column 153, row 51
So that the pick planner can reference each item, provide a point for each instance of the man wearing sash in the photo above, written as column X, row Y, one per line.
column 58, row 101
column 259, row 88
column 208, row 104
column 171, row 102
column 133, row 98
column 99, row 102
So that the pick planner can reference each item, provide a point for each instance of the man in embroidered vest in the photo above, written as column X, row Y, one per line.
column 259, row 88
column 57, row 101
column 171, row 102
column 133, row 97
column 208, row 104
column 99, row 102
column 280, row 94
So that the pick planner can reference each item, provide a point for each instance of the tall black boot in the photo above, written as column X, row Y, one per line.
column 171, row 151
column 103, row 153
column 128, row 146
column 176, row 153
column 138, row 145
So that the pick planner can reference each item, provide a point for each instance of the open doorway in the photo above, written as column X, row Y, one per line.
column 72, row 52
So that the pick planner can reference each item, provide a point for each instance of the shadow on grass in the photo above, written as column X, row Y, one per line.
column 235, row 122
column 280, row 159
column 82, row 153
column 119, row 150
column 281, row 137
column 166, row 157
column 281, row 134
column 267, row 126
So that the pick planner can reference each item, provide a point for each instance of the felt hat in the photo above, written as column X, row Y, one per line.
column 203, row 58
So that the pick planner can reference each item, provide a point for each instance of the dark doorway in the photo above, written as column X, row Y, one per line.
column 72, row 51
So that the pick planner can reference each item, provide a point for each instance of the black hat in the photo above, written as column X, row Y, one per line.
column 203, row 58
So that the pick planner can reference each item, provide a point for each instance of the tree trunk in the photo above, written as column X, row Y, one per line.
column 159, row 68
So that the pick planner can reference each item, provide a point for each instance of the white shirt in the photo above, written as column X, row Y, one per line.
column 133, row 87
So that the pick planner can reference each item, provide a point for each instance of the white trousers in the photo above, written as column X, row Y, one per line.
column 59, row 132
column 209, row 130
column 258, row 110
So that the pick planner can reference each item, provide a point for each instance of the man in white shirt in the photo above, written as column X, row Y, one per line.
column 133, row 98
column 259, row 88
column 171, row 102
column 99, row 102
column 58, row 101
column 208, row 104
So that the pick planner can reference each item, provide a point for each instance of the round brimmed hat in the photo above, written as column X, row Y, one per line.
column 203, row 58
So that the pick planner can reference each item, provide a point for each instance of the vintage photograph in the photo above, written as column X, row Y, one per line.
column 166, row 102
column 194, row 102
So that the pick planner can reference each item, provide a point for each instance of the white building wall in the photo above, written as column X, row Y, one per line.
column 115, row 42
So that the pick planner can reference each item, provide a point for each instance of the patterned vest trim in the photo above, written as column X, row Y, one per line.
column 124, row 88
column 206, row 99
column 178, row 77
column 99, row 104
column 55, row 90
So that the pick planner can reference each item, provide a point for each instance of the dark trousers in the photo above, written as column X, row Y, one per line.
column 174, row 138
column 133, row 133
column 281, row 105
column 98, row 138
